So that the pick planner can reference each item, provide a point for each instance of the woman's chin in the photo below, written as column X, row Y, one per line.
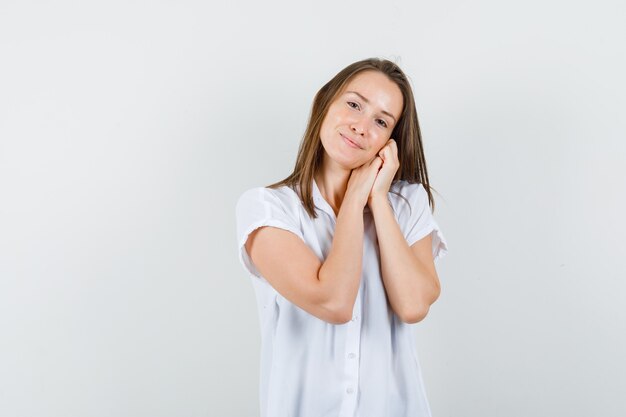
column 348, row 162
column 351, row 164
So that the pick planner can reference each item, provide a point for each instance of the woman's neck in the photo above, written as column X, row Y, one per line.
column 332, row 181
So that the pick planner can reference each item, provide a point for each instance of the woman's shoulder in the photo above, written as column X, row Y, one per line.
column 282, row 195
column 405, row 188
column 283, row 190
column 407, row 196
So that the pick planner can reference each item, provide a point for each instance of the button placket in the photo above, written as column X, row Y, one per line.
column 353, row 340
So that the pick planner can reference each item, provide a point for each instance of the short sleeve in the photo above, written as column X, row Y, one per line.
column 420, row 221
column 255, row 208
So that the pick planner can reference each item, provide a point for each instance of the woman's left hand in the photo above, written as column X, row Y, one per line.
column 382, row 183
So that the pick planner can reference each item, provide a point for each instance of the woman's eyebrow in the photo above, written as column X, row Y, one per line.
column 367, row 101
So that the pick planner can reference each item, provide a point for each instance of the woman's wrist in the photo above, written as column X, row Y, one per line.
column 378, row 200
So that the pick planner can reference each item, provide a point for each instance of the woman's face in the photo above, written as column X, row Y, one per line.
column 360, row 120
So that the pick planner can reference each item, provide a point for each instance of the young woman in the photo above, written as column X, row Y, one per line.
column 341, row 255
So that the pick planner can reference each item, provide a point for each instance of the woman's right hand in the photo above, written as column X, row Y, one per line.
column 361, row 181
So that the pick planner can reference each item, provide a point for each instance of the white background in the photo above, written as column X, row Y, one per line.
column 129, row 128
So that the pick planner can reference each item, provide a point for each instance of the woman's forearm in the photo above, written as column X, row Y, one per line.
column 410, row 286
column 340, row 273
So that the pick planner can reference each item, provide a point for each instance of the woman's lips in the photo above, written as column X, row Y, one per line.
column 349, row 142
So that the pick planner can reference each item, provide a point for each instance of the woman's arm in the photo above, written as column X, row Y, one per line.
column 341, row 271
column 326, row 290
column 409, row 274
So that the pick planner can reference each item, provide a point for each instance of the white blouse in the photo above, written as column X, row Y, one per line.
column 367, row 367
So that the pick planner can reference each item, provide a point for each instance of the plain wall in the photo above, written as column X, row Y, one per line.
column 129, row 128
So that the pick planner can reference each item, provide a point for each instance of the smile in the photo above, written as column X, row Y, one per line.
column 349, row 142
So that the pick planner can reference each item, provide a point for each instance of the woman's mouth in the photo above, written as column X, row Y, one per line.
column 350, row 143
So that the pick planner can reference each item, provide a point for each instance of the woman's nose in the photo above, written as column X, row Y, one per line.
column 358, row 126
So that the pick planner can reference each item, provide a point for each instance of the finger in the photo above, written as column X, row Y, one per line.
column 393, row 147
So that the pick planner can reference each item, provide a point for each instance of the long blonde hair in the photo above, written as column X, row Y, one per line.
column 406, row 133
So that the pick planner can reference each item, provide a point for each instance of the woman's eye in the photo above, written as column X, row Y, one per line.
column 354, row 105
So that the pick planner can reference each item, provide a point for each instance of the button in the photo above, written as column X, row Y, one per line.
column 350, row 390
column 352, row 356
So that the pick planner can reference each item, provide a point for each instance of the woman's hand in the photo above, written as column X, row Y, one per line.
column 382, row 183
column 361, row 181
